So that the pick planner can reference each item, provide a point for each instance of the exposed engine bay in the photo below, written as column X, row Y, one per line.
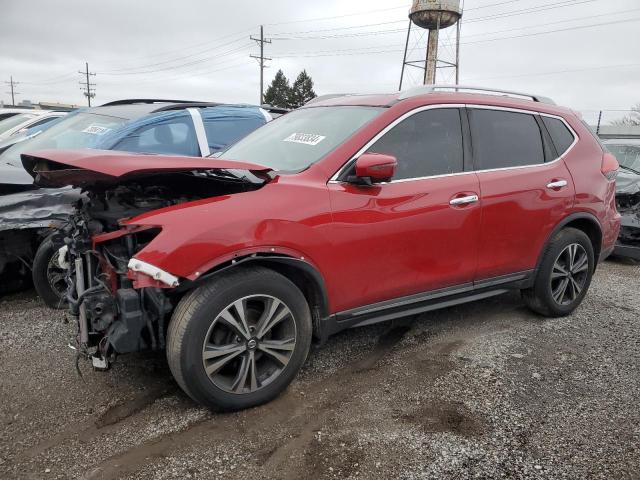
column 119, row 309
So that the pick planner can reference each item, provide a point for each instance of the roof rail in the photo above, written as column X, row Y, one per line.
column 274, row 109
column 185, row 105
column 328, row 96
column 424, row 89
column 130, row 101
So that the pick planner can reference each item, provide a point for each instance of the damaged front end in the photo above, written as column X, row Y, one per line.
column 122, row 304
column 628, row 204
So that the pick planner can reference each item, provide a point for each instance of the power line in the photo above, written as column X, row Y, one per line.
column 142, row 67
column 13, row 93
column 556, row 72
column 261, row 59
column 484, row 34
column 579, row 27
column 175, row 67
column 88, row 87
column 536, row 9
column 182, row 49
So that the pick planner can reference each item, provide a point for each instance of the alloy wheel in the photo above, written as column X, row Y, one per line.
column 569, row 274
column 249, row 344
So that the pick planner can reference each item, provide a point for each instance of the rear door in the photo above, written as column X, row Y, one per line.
column 526, row 189
column 418, row 232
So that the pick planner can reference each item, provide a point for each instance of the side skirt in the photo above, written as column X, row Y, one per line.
column 423, row 302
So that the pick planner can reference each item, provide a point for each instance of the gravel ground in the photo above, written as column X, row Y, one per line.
column 485, row 390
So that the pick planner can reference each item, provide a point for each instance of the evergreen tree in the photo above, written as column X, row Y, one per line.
column 278, row 94
column 302, row 90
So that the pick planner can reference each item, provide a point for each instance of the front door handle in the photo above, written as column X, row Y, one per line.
column 557, row 184
column 456, row 202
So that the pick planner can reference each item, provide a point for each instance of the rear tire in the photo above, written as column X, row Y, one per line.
column 48, row 277
column 240, row 339
column 564, row 276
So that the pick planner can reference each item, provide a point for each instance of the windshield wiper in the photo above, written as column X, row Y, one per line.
column 630, row 169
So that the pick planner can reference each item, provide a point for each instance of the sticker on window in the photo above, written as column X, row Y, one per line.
column 96, row 130
column 305, row 138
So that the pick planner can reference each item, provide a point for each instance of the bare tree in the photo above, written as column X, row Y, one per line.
column 633, row 119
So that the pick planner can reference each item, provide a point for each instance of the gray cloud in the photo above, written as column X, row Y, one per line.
column 44, row 43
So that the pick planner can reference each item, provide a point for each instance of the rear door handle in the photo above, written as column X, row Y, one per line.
column 456, row 202
column 557, row 184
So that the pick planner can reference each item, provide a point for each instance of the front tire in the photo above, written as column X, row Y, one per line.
column 240, row 339
column 564, row 276
column 49, row 278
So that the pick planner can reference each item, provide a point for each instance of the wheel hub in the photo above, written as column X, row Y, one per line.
column 249, row 344
column 569, row 274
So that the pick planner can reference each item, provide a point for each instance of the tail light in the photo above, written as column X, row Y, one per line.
column 610, row 166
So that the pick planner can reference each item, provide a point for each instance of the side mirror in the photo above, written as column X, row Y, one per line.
column 374, row 168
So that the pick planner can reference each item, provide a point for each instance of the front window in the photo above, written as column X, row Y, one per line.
column 628, row 155
column 84, row 130
column 299, row 139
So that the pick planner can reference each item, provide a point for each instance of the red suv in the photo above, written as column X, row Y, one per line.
column 349, row 211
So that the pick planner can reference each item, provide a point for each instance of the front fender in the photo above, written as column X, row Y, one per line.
column 280, row 218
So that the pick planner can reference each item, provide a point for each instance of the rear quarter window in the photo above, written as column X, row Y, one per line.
column 560, row 135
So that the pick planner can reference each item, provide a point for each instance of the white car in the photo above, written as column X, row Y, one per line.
column 10, row 112
column 24, row 120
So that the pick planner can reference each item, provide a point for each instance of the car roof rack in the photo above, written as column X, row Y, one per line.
column 131, row 101
column 272, row 109
column 184, row 105
column 425, row 89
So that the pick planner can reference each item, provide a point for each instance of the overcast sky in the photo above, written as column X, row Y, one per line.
column 589, row 57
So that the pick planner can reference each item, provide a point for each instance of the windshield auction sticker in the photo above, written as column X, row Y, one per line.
column 305, row 138
column 96, row 130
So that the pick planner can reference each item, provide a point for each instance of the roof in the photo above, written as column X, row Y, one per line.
column 128, row 111
column 434, row 94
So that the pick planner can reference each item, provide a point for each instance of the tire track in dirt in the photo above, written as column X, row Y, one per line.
column 285, row 410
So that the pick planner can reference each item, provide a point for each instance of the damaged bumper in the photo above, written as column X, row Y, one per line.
column 628, row 204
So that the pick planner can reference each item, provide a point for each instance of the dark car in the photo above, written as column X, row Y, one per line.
column 28, row 213
column 627, row 151
column 346, row 212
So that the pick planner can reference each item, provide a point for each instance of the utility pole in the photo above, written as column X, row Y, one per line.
column 88, row 87
column 13, row 93
column 261, row 59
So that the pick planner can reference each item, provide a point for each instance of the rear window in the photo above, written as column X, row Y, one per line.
column 505, row 139
column 560, row 135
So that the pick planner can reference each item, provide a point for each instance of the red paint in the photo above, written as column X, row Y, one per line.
column 374, row 243
column 376, row 166
column 124, row 164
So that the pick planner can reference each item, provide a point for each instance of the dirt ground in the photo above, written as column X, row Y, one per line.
column 484, row 390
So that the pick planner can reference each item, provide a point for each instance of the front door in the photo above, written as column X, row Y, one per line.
column 418, row 232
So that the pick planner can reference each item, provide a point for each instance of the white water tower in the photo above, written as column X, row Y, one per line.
column 434, row 15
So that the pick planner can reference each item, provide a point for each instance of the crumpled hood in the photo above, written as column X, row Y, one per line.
column 627, row 182
column 87, row 167
column 41, row 208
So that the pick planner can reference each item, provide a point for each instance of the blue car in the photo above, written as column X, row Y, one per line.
column 28, row 213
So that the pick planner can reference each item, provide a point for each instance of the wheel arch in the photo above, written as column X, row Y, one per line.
column 302, row 273
column 584, row 222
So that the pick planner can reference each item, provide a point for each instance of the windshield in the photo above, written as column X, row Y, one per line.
column 84, row 130
column 11, row 122
column 298, row 139
column 627, row 155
